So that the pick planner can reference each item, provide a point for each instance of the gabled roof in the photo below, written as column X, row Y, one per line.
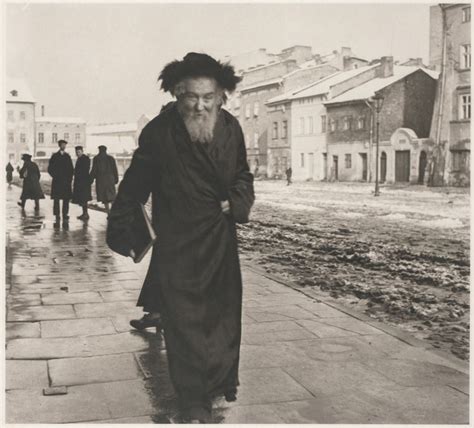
column 23, row 92
column 59, row 119
column 321, row 86
column 110, row 128
column 256, row 85
column 114, row 144
column 368, row 89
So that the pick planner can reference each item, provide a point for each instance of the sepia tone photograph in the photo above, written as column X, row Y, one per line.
column 236, row 213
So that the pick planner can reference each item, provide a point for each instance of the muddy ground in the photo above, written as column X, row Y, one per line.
column 402, row 258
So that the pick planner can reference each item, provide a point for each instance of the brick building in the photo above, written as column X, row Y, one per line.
column 450, row 54
column 408, row 94
column 20, row 119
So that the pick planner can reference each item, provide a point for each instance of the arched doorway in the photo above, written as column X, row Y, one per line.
column 383, row 167
column 422, row 167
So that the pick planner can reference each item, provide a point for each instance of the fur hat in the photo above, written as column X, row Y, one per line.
column 198, row 65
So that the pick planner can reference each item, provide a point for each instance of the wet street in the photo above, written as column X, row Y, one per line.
column 305, row 358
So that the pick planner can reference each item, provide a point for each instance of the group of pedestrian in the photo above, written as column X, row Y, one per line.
column 69, row 183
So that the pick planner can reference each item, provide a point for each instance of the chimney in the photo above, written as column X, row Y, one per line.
column 317, row 58
column 385, row 68
column 42, row 111
column 346, row 51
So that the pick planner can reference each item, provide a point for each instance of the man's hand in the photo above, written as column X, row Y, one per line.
column 225, row 207
column 132, row 254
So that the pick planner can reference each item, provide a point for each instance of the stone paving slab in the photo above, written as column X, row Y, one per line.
column 71, row 298
column 17, row 330
column 77, row 327
column 80, row 371
column 38, row 313
column 25, row 374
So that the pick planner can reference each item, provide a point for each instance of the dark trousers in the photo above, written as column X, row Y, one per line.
column 37, row 203
column 56, row 209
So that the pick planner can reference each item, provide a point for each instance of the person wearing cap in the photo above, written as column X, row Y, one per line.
column 61, row 169
column 191, row 158
column 30, row 174
column 81, row 189
column 104, row 172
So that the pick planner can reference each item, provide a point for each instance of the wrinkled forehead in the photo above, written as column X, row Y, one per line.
column 200, row 85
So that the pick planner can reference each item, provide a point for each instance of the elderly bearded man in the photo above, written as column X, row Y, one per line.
column 192, row 160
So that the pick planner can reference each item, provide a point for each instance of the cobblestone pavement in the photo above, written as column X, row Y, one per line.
column 72, row 357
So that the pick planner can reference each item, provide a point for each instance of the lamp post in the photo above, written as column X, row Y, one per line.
column 378, row 102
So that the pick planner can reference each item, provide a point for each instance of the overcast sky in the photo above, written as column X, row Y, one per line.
column 101, row 61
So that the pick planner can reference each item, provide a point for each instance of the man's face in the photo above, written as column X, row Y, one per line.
column 62, row 146
column 79, row 152
column 200, row 96
column 198, row 105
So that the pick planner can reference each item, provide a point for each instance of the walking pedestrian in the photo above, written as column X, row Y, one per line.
column 9, row 170
column 192, row 160
column 60, row 168
column 289, row 173
column 104, row 172
column 30, row 174
column 81, row 190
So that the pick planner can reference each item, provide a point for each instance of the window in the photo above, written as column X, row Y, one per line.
column 302, row 160
column 247, row 110
column 460, row 160
column 465, row 106
column 275, row 130
column 347, row 123
column 255, row 139
column 11, row 137
column 323, row 124
column 310, row 125
column 22, row 138
column 466, row 14
column 361, row 122
column 284, row 129
column 66, row 136
column 14, row 93
column 77, row 138
column 55, row 137
column 465, row 56
column 302, row 127
column 22, row 115
column 255, row 108
column 333, row 125
column 40, row 137
column 10, row 117
column 348, row 161
column 40, row 153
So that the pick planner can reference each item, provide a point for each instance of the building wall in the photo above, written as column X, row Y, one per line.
column 271, row 71
column 450, row 131
column 306, row 142
column 279, row 151
column 49, row 146
column 302, row 77
column 17, row 129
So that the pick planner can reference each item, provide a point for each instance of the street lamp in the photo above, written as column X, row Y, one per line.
column 378, row 102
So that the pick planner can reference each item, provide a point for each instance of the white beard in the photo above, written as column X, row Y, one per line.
column 200, row 129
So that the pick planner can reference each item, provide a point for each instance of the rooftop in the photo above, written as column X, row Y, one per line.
column 59, row 119
column 18, row 91
column 109, row 128
column 368, row 89
column 115, row 144
column 262, row 83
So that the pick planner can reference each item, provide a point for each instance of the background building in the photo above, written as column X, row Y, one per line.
column 20, row 119
column 450, row 54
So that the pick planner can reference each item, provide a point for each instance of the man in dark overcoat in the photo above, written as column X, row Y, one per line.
column 81, row 189
column 30, row 174
column 104, row 172
column 192, row 160
column 9, row 169
column 61, row 169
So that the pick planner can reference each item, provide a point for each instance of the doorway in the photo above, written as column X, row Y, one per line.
column 325, row 166
column 363, row 157
column 335, row 162
column 402, row 166
column 422, row 167
column 383, row 167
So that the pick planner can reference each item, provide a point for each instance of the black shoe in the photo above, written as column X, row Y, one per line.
column 198, row 415
column 231, row 395
column 145, row 322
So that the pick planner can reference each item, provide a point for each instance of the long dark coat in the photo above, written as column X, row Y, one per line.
column 61, row 169
column 81, row 189
column 194, row 274
column 104, row 172
column 9, row 170
column 30, row 174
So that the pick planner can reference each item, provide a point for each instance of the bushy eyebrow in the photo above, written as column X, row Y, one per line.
column 197, row 95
